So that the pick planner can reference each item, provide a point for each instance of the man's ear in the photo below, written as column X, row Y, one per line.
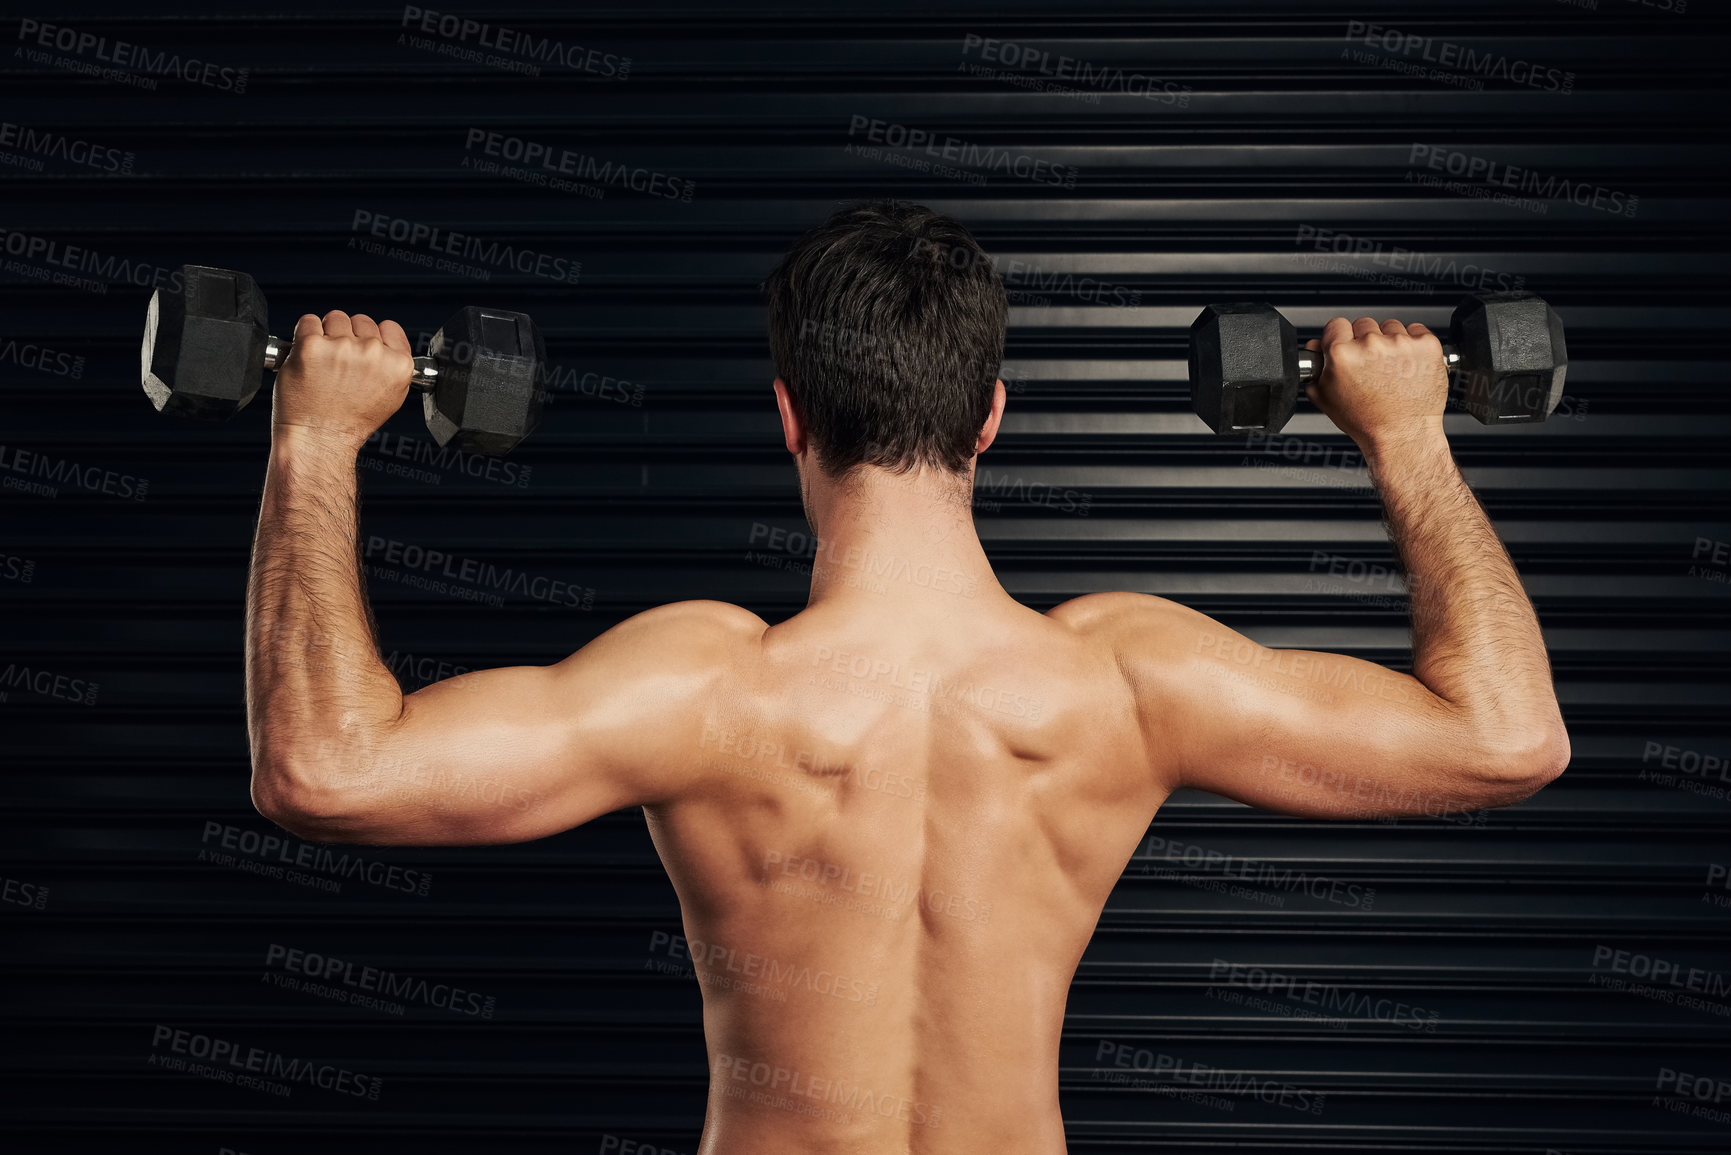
column 792, row 428
column 989, row 431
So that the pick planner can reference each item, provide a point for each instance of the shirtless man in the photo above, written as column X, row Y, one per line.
column 893, row 819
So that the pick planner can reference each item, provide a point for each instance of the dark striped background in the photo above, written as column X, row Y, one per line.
column 1505, row 932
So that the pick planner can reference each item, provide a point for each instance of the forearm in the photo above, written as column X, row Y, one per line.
column 314, row 678
column 1476, row 640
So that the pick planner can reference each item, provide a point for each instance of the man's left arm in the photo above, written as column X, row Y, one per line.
column 339, row 753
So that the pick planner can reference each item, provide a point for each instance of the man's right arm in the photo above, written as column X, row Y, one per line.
column 1476, row 723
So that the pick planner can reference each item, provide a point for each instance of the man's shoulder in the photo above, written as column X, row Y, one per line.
column 1107, row 615
column 680, row 637
column 702, row 619
column 1153, row 641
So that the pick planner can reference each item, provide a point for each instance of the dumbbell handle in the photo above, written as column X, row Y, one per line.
column 1311, row 362
column 276, row 351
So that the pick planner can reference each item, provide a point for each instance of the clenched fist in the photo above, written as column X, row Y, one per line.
column 1381, row 383
column 343, row 379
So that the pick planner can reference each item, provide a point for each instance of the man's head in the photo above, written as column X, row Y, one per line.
column 886, row 323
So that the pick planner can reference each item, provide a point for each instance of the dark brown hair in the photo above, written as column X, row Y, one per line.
column 887, row 324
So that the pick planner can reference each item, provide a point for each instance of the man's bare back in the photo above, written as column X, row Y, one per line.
column 902, row 840
column 893, row 819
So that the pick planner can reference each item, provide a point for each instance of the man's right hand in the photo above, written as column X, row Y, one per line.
column 1381, row 384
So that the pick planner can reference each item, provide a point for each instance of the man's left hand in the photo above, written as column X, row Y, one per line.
column 343, row 379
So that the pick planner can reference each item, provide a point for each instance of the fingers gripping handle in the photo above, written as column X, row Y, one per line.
column 426, row 376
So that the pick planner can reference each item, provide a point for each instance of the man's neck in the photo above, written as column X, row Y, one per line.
column 909, row 540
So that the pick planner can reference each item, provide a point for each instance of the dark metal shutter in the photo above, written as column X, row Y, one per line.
column 1563, row 966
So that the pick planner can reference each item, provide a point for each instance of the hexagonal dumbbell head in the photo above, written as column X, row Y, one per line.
column 203, row 354
column 1513, row 357
column 489, row 391
column 1243, row 368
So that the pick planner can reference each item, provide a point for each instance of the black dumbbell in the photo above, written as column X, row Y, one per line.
column 207, row 347
column 1506, row 352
